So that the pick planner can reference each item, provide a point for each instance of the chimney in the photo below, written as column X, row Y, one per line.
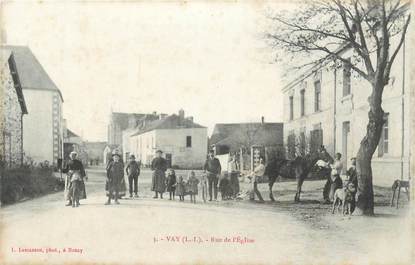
column 181, row 114
column 262, row 120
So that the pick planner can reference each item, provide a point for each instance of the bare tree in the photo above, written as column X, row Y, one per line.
column 324, row 31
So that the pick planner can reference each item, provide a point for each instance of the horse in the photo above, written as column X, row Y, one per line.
column 300, row 168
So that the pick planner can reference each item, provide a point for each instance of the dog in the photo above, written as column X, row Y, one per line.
column 397, row 185
column 344, row 197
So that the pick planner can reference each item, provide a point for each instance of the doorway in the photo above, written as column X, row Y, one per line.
column 346, row 144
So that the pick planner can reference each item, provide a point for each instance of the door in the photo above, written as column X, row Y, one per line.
column 346, row 144
column 169, row 159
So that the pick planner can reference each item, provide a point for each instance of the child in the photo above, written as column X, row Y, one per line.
column 224, row 187
column 180, row 188
column 171, row 183
column 193, row 182
column 203, row 186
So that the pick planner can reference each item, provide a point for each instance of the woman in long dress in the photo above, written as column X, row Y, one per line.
column 74, row 180
column 158, row 182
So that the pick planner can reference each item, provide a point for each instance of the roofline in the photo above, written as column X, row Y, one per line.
column 138, row 133
column 46, row 89
column 317, row 66
column 19, row 89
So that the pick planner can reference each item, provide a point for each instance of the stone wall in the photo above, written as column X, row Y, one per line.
column 11, row 121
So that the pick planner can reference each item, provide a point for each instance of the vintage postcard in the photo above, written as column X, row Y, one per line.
column 206, row 132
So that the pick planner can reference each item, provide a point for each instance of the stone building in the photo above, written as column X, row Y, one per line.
column 44, row 101
column 12, row 109
column 120, row 122
column 183, row 141
column 328, row 105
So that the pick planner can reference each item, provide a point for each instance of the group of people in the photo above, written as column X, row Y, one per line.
column 334, row 180
column 209, row 181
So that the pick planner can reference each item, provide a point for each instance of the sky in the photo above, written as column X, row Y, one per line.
column 209, row 59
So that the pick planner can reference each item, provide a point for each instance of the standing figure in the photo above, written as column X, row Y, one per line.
column 204, row 186
column 192, row 183
column 74, row 181
column 115, row 178
column 336, row 181
column 258, row 172
column 213, row 169
column 180, row 190
column 171, row 183
column 158, row 182
column 352, row 178
column 133, row 171
column 233, row 171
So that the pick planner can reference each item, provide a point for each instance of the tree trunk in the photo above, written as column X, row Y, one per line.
column 364, row 195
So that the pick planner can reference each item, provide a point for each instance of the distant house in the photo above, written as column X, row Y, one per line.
column 122, row 121
column 95, row 150
column 12, row 109
column 183, row 141
column 73, row 142
column 44, row 102
column 232, row 137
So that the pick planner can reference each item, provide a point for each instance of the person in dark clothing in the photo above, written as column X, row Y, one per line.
column 213, row 168
column 158, row 182
column 74, row 181
column 115, row 171
column 352, row 178
column 225, row 188
column 133, row 171
column 171, row 183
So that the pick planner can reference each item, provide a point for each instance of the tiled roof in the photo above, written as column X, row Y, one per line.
column 31, row 73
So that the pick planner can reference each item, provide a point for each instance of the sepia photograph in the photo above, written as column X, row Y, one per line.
column 207, row 132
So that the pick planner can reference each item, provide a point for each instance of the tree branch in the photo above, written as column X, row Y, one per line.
column 401, row 41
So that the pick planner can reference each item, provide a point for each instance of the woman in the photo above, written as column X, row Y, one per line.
column 233, row 171
column 74, row 180
column 158, row 182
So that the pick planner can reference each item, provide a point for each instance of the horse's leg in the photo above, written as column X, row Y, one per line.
column 271, row 184
column 393, row 196
column 300, row 180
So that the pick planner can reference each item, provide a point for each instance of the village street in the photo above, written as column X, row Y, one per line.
column 154, row 231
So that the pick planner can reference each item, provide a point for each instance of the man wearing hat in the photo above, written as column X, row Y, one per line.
column 115, row 178
column 133, row 171
column 213, row 169
column 158, row 182
column 74, row 181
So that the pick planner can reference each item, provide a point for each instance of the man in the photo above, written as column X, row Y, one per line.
column 158, row 182
column 258, row 172
column 233, row 171
column 213, row 169
column 74, row 181
column 115, row 176
column 133, row 171
column 352, row 178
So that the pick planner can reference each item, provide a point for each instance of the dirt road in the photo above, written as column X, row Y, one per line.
column 147, row 231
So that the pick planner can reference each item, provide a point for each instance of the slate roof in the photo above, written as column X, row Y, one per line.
column 169, row 122
column 71, row 133
column 31, row 72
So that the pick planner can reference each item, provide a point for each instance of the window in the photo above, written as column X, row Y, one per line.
column 346, row 78
column 317, row 95
column 291, row 108
column 302, row 94
column 316, row 138
column 188, row 141
column 302, row 142
column 383, row 147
